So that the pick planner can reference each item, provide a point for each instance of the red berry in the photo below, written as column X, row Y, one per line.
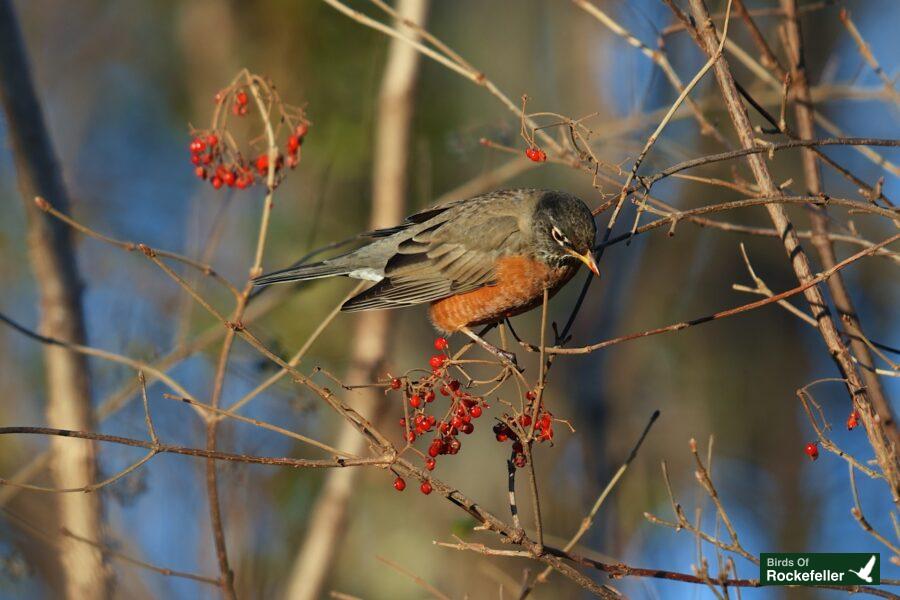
column 396, row 383
column 212, row 140
column 853, row 420
column 410, row 437
column 435, row 448
column 429, row 396
column 436, row 361
column 293, row 144
column 241, row 98
column 195, row 159
column 425, row 487
column 415, row 401
column 467, row 428
column 197, row 146
column 301, row 130
column 525, row 420
column 441, row 343
column 200, row 172
column 475, row 411
column 520, row 461
column 454, row 385
column 429, row 464
column 399, row 484
column 216, row 182
column 229, row 178
column 536, row 154
column 812, row 450
column 262, row 164
column 402, row 422
column 530, row 396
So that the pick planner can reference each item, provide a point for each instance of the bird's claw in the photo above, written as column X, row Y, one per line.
column 510, row 359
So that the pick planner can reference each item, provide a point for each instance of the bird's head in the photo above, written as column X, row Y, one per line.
column 565, row 230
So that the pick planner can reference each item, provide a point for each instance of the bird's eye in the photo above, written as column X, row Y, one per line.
column 558, row 236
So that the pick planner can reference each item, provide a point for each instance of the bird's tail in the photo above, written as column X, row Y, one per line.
column 302, row 273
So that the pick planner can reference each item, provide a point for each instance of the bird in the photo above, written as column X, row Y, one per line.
column 476, row 261
column 866, row 572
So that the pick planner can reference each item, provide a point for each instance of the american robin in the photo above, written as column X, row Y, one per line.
column 477, row 261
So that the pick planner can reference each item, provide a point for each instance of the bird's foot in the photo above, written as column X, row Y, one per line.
column 509, row 360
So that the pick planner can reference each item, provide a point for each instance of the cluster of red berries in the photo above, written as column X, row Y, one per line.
column 458, row 417
column 210, row 163
column 536, row 154
column 226, row 167
column 812, row 450
column 853, row 420
column 240, row 106
column 216, row 156
column 510, row 429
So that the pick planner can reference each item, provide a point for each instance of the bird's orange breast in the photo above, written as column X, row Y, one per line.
column 520, row 287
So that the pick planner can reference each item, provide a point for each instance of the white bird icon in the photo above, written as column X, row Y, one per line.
column 866, row 572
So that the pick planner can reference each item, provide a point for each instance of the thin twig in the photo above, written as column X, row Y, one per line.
column 588, row 521
column 866, row 53
column 724, row 313
column 415, row 578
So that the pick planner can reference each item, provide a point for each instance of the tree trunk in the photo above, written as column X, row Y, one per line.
column 328, row 520
column 53, row 259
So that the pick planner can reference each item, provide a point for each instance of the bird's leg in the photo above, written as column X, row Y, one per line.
column 507, row 358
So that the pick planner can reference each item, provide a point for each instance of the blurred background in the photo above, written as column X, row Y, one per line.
column 121, row 82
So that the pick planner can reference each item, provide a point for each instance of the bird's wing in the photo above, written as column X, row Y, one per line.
column 428, row 214
column 866, row 570
column 449, row 256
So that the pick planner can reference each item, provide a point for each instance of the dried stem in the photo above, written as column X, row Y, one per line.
column 882, row 431
column 724, row 313
column 588, row 521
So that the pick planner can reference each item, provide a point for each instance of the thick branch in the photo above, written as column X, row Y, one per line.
column 880, row 428
column 803, row 109
column 52, row 256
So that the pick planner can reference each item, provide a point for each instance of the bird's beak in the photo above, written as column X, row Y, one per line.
column 588, row 259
